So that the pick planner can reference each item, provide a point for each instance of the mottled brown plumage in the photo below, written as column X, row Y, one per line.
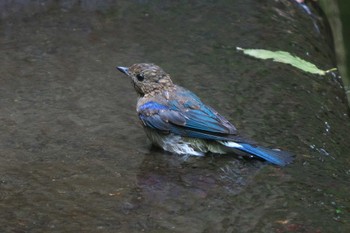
column 149, row 79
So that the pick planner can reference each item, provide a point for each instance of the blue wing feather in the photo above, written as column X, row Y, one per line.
column 191, row 119
column 198, row 119
column 155, row 122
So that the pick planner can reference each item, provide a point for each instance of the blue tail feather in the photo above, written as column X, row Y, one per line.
column 277, row 157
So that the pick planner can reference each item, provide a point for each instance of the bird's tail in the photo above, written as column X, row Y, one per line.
column 274, row 156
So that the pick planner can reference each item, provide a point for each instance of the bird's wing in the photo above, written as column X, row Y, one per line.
column 188, row 117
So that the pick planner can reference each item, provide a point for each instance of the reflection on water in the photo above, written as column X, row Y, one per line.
column 75, row 159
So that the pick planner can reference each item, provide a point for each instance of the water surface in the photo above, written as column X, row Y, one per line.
column 74, row 158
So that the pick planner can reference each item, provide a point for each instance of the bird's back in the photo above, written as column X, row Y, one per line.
column 185, row 115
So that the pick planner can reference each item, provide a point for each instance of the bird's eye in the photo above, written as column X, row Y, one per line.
column 140, row 77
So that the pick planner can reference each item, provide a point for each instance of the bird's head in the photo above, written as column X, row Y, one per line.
column 147, row 78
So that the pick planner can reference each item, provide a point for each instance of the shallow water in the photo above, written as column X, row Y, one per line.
column 74, row 158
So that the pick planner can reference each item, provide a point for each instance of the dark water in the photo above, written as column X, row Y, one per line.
column 73, row 157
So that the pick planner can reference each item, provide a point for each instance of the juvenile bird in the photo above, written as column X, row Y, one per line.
column 176, row 120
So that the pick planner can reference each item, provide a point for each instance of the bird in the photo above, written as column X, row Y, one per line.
column 176, row 120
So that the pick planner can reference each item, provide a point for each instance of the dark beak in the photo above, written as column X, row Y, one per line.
column 124, row 70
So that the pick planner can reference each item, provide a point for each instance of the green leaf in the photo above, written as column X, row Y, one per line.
column 285, row 57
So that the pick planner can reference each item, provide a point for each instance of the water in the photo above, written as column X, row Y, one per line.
column 75, row 159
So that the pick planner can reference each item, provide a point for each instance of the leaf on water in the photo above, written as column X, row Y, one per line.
column 285, row 57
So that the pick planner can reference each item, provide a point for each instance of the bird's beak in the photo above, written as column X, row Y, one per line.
column 124, row 70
